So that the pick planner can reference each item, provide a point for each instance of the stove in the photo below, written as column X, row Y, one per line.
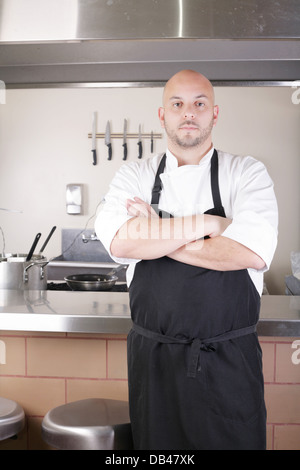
column 63, row 286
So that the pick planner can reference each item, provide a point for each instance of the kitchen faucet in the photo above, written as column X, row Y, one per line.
column 92, row 238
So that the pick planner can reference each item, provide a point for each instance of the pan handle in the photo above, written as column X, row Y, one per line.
column 116, row 270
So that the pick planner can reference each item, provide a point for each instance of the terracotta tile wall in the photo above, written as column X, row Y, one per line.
column 43, row 371
column 46, row 370
column 281, row 359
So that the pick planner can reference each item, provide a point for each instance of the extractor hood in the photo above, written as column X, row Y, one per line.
column 90, row 42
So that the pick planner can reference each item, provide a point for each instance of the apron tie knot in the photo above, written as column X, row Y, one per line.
column 194, row 363
column 196, row 344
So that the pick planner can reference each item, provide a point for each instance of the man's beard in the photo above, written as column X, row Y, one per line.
column 188, row 141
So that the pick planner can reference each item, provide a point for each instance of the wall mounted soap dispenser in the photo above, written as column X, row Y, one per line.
column 74, row 198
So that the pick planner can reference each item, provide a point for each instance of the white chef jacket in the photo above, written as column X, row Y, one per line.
column 246, row 190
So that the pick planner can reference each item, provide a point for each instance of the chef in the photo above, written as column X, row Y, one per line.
column 198, row 228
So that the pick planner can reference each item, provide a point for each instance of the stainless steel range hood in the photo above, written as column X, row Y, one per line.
column 92, row 42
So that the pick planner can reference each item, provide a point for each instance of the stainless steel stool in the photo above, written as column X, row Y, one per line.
column 92, row 424
column 12, row 418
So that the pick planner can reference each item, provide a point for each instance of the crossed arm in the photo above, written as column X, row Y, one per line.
column 146, row 236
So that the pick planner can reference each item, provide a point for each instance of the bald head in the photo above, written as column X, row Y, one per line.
column 188, row 79
column 188, row 115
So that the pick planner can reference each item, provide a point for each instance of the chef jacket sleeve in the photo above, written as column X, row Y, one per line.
column 113, row 213
column 255, row 213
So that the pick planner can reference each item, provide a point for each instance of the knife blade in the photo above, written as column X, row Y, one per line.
column 140, row 143
column 108, row 141
column 151, row 141
column 94, row 151
column 124, row 139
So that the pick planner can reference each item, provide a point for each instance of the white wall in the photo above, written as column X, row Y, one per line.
column 44, row 146
column 264, row 122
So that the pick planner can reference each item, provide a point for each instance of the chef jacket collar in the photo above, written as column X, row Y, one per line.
column 172, row 163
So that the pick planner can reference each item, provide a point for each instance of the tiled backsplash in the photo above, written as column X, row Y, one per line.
column 73, row 248
column 79, row 257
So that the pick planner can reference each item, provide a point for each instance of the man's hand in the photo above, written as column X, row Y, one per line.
column 139, row 208
column 221, row 224
column 147, row 236
column 218, row 253
column 222, row 254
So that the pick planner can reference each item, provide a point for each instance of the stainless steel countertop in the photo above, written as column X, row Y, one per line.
column 108, row 312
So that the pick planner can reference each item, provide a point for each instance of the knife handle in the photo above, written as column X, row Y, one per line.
column 94, row 157
column 140, row 149
column 151, row 145
column 48, row 238
column 31, row 251
column 125, row 151
column 109, row 151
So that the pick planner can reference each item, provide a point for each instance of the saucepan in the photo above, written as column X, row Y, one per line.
column 94, row 282
column 25, row 271
column 17, row 273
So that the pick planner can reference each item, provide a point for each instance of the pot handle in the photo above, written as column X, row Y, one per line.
column 41, row 264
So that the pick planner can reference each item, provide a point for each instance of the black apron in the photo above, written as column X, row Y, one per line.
column 194, row 360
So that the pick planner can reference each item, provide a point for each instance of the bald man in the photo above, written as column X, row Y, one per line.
column 198, row 228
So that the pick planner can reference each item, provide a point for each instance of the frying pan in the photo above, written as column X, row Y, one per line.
column 93, row 282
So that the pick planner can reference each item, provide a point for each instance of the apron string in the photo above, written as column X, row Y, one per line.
column 197, row 344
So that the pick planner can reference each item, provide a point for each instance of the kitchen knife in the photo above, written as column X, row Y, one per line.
column 31, row 251
column 151, row 141
column 140, row 143
column 108, row 141
column 94, row 151
column 124, row 139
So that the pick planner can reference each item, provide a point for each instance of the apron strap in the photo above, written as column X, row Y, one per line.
column 214, row 178
column 197, row 344
column 157, row 183
column 157, row 190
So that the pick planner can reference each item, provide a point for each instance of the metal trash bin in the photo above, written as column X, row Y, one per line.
column 91, row 424
column 12, row 418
